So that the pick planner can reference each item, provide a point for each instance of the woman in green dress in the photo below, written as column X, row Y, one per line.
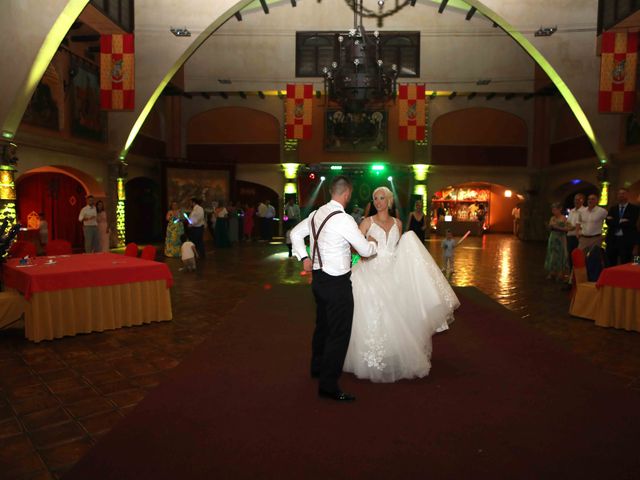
column 556, row 262
column 175, row 229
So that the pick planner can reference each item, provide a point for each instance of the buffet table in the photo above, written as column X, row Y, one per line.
column 71, row 294
column 619, row 298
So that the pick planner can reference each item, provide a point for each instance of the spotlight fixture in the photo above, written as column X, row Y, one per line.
column 490, row 96
column 442, row 6
column 238, row 16
column 323, row 178
column 224, row 95
column 483, row 81
column 390, row 178
column 293, row 3
column 412, row 3
column 261, row 95
column 509, row 96
column 265, row 7
column 180, row 31
column 529, row 96
column 546, row 31
column 471, row 95
column 312, row 176
column 242, row 95
column 453, row 95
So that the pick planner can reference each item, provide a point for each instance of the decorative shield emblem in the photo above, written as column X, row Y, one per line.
column 411, row 111
column 116, row 71
column 299, row 110
column 619, row 71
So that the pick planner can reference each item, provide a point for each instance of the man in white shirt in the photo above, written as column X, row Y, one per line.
column 332, row 234
column 269, row 215
column 515, row 213
column 89, row 218
column 196, row 226
column 590, row 224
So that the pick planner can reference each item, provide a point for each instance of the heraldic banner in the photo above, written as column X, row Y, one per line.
column 116, row 72
column 411, row 111
column 298, row 111
column 618, row 72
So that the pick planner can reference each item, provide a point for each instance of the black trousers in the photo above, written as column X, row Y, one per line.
column 196, row 234
column 572, row 244
column 619, row 248
column 334, row 315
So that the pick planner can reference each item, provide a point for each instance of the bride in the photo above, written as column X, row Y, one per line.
column 401, row 299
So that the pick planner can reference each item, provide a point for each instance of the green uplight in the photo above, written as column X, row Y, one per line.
column 535, row 54
column 378, row 168
column 8, row 135
column 336, row 167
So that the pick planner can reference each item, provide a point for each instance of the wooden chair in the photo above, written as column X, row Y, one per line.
column 58, row 247
column 22, row 248
column 131, row 250
column 586, row 295
column 148, row 253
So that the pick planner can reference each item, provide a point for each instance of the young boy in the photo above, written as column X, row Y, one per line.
column 448, row 245
column 188, row 254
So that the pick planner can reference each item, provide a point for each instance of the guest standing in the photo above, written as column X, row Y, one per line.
column 292, row 212
column 556, row 263
column 196, row 226
column 622, row 233
column 88, row 217
column 448, row 247
column 269, row 215
column 175, row 230
column 103, row 227
column 590, row 224
column 574, row 221
column 222, row 226
column 417, row 221
column 233, row 222
column 247, row 227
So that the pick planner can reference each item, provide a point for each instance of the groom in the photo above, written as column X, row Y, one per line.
column 332, row 233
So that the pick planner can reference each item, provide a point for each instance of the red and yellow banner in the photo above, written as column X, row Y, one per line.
column 411, row 111
column 618, row 72
column 298, row 111
column 117, row 72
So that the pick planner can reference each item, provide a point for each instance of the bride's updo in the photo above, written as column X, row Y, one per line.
column 388, row 194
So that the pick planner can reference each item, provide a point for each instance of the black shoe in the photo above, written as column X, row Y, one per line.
column 337, row 396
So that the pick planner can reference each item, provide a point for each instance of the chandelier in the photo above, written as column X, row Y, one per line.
column 358, row 78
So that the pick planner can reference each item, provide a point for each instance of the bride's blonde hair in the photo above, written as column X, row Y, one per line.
column 388, row 194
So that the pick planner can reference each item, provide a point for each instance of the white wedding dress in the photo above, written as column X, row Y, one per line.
column 401, row 299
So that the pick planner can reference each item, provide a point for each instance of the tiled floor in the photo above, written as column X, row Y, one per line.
column 57, row 398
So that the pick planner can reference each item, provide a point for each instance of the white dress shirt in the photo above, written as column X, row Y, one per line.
column 574, row 219
column 293, row 212
column 196, row 218
column 591, row 221
column 335, row 240
column 87, row 212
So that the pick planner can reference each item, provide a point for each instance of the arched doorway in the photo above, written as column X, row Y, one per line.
column 565, row 192
column 143, row 211
column 59, row 198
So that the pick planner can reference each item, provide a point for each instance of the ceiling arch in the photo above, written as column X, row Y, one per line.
column 228, row 125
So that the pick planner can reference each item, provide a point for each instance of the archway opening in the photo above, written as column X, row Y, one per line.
column 143, row 211
column 54, row 197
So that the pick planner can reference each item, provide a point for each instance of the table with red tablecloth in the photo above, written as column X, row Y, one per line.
column 619, row 302
column 70, row 294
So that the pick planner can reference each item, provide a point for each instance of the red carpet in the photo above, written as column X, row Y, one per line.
column 502, row 401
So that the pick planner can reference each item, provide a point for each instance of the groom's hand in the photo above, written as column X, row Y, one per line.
column 306, row 265
column 371, row 239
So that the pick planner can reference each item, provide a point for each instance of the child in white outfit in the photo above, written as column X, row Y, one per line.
column 188, row 254
column 448, row 245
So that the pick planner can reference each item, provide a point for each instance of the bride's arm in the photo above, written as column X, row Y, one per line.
column 365, row 225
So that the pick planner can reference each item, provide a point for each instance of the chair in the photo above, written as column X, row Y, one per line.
column 148, row 253
column 131, row 250
column 58, row 247
column 22, row 248
column 586, row 294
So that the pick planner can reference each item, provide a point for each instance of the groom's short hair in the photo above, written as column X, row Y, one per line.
column 340, row 184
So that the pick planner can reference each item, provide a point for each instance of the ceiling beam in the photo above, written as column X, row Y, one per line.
column 85, row 38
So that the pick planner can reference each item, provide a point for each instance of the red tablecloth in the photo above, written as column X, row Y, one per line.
column 84, row 270
column 622, row 276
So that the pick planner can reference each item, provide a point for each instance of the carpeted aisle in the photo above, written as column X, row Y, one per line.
column 502, row 401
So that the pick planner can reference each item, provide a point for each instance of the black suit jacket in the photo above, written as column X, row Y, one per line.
column 629, row 228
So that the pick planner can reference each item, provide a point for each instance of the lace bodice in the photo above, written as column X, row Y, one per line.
column 387, row 243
